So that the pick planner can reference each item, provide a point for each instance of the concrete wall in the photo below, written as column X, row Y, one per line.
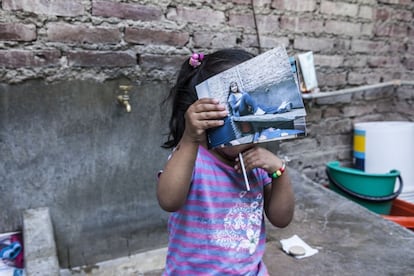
column 66, row 144
column 71, row 147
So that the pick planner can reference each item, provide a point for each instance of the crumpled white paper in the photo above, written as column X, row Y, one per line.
column 296, row 240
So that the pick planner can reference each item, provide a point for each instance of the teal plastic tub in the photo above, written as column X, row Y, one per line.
column 373, row 191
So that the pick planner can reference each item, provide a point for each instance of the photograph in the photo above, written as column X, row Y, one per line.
column 263, row 100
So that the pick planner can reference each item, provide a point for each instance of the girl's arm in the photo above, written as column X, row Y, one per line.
column 175, row 180
column 279, row 199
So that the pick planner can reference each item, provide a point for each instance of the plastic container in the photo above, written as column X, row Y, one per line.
column 382, row 146
column 373, row 191
column 402, row 212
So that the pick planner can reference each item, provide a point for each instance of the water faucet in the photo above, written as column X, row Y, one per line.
column 124, row 97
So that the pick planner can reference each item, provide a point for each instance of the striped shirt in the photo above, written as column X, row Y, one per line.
column 220, row 230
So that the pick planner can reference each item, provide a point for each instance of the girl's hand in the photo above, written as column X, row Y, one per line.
column 203, row 114
column 257, row 157
column 279, row 200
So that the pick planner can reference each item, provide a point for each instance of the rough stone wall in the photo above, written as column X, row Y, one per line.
column 354, row 42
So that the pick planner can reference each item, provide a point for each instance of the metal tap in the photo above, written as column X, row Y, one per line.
column 123, row 99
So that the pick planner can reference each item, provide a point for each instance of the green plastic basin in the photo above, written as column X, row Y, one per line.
column 373, row 191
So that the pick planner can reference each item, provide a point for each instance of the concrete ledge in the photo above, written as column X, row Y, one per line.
column 393, row 83
column 39, row 243
column 147, row 263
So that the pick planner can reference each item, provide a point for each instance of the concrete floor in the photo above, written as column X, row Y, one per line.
column 351, row 241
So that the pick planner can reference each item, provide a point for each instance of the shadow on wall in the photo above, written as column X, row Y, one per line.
column 72, row 147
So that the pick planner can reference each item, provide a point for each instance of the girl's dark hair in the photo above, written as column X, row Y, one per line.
column 183, row 93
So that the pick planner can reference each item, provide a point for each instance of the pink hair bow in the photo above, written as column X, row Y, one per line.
column 195, row 59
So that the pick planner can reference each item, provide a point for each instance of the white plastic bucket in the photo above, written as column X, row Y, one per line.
column 382, row 146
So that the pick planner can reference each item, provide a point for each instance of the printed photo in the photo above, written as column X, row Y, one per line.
column 263, row 100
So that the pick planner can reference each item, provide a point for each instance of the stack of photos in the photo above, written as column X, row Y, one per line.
column 263, row 99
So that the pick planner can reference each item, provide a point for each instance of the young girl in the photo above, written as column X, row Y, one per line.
column 216, row 226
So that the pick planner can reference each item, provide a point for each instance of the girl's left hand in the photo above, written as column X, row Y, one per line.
column 257, row 157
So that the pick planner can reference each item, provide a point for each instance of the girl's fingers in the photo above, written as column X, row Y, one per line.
column 212, row 115
column 205, row 110
column 204, row 114
column 258, row 158
column 212, row 123
column 207, row 104
column 205, row 117
column 206, row 121
column 208, row 100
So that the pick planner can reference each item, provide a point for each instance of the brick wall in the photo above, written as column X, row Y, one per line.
column 330, row 123
column 354, row 42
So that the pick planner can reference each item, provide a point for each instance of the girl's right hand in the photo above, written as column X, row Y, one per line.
column 201, row 115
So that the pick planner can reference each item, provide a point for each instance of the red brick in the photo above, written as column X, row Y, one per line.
column 251, row 41
column 313, row 44
column 215, row 40
column 273, row 41
column 367, row 29
column 410, row 34
column 241, row 20
column 398, row 75
column 387, row 13
column 203, row 16
column 331, row 78
column 24, row 58
column 339, row 8
column 367, row 46
column 101, row 59
column 126, row 11
column 384, row 61
column 397, row 2
column 243, row 2
column 410, row 47
column 359, row 78
column 301, row 25
column 342, row 27
column 341, row 44
column 404, row 15
column 147, row 36
column 294, row 5
column 258, row 3
column 61, row 32
column 409, row 63
column 393, row 30
column 398, row 47
column 329, row 61
column 289, row 23
column 366, row 12
column 267, row 42
column 239, row 2
column 354, row 60
column 56, row 7
column 161, row 62
column 261, row 3
column 268, row 23
column 383, row 14
column 17, row 32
